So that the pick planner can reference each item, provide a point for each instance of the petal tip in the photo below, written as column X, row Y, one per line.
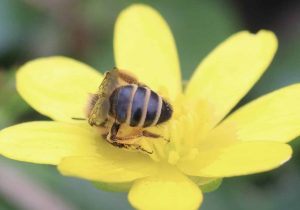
column 61, row 167
column 289, row 154
column 158, row 193
column 263, row 34
column 268, row 36
column 136, row 10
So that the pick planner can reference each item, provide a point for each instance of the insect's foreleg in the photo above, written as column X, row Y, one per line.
column 139, row 147
column 153, row 135
column 112, row 135
column 128, row 137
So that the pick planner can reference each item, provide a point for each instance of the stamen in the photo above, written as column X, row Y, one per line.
column 183, row 131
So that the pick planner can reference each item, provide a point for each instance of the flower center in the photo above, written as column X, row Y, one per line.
column 184, row 130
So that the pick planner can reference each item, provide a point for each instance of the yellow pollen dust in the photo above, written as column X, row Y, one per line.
column 184, row 130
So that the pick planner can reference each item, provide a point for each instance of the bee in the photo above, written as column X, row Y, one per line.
column 122, row 100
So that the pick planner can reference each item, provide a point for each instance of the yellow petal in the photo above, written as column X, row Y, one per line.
column 57, row 87
column 144, row 45
column 46, row 142
column 168, row 189
column 207, row 184
column 238, row 159
column 229, row 72
column 108, row 168
column 273, row 117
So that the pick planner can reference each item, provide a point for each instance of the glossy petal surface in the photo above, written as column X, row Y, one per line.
column 238, row 159
column 108, row 168
column 57, row 87
column 168, row 189
column 273, row 117
column 229, row 72
column 46, row 142
column 144, row 45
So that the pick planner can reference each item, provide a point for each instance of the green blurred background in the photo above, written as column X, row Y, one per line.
column 84, row 30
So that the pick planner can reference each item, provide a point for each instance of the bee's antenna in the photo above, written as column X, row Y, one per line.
column 78, row 118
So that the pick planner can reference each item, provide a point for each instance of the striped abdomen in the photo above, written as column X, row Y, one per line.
column 138, row 106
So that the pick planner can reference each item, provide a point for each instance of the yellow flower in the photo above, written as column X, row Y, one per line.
column 205, row 145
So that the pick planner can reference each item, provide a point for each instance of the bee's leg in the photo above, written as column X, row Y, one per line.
column 132, row 146
column 116, row 144
column 128, row 144
column 103, row 123
column 129, row 137
column 112, row 135
column 153, row 135
column 138, row 135
column 126, row 141
column 139, row 147
column 104, row 135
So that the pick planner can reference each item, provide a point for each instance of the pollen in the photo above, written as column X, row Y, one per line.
column 183, row 131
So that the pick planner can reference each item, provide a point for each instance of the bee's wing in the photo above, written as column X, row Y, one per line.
column 100, row 109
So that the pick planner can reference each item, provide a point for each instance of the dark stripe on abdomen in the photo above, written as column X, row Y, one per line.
column 151, row 109
column 137, row 106
column 166, row 112
column 120, row 102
